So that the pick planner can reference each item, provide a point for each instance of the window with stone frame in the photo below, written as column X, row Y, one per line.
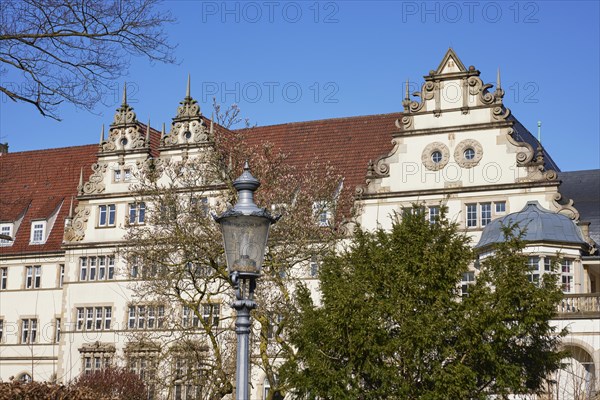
column 93, row 318
column 189, row 376
column 145, row 316
column 96, row 356
column 142, row 359
column 33, row 276
column 468, row 279
column 29, row 328
column 434, row 214
column 6, row 231
column 137, row 213
column 3, row 278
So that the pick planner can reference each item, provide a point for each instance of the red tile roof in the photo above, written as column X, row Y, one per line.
column 43, row 180
column 36, row 183
column 347, row 143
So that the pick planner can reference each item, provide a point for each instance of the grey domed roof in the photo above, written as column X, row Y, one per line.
column 540, row 225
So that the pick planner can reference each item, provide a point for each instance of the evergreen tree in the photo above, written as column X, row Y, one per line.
column 392, row 323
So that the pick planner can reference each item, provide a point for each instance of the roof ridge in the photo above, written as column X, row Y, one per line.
column 50, row 149
column 323, row 119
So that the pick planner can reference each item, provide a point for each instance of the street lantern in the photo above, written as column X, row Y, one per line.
column 245, row 229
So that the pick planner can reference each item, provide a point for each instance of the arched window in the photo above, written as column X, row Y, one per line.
column 25, row 378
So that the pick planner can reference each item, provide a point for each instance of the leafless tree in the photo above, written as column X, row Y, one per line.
column 52, row 51
column 181, row 265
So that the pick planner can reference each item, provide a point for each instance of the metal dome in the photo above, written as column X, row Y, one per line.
column 539, row 224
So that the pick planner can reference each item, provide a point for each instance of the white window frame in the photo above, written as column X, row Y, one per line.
column 38, row 232
column 137, row 213
column 566, row 275
column 471, row 215
column 83, row 276
column 56, row 330
column 535, row 272
column 33, row 276
column 28, row 330
column 485, row 213
column 433, row 213
column 61, row 275
column 3, row 278
column 500, row 212
column 107, row 215
column 211, row 313
column 468, row 278
column 6, row 229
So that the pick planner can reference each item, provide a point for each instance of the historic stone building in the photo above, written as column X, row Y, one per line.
column 65, row 296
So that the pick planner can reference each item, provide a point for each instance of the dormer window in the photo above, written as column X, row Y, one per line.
column 6, row 234
column 38, row 232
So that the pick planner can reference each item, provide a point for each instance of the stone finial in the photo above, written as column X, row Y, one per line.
column 539, row 133
column 499, row 93
column 124, row 115
column 188, row 90
column 148, row 133
column 406, row 101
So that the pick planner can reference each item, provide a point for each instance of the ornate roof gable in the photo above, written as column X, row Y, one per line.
column 124, row 133
column 188, row 126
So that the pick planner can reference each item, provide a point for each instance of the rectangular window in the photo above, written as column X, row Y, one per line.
column 137, row 213
column 500, row 207
column 534, row 269
column 106, row 215
column 314, row 267
column 567, row 275
column 185, row 316
column 471, row 215
column 322, row 213
column 434, row 214
column 127, row 174
column 210, row 313
column 92, row 262
column 3, row 277
column 99, row 318
column 33, row 277
column 83, row 269
column 160, row 316
column 61, row 275
column 468, row 278
column 486, row 213
column 80, row 314
column 101, row 268
column 131, row 321
column 547, row 264
column 6, row 230
column 37, row 232
column 87, row 365
column 107, row 317
column 117, row 175
column 94, row 318
column 111, row 267
column 1, row 329
column 57, row 330
column 89, row 318
column 28, row 331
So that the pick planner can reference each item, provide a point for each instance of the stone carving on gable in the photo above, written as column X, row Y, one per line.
column 75, row 232
column 124, row 133
column 187, row 126
column 460, row 155
column 95, row 184
column 565, row 206
column 427, row 93
column 432, row 150
column 523, row 157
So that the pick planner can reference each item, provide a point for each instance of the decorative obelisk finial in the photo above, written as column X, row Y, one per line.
column 212, row 117
column 498, row 86
column 188, row 89
column 101, row 138
column 406, row 101
column 124, row 93
column 539, row 135
column 71, row 208
column 148, row 133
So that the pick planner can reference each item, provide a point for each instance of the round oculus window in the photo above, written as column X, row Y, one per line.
column 436, row 156
column 124, row 141
column 469, row 154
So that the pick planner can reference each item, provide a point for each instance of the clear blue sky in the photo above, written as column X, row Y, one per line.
column 296, row 61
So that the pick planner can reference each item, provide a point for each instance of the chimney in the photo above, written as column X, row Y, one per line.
column 3, row 148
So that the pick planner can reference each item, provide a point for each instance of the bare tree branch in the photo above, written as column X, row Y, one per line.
column 67, row 50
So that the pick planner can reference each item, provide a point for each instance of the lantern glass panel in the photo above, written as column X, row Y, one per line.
column 245, row 238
